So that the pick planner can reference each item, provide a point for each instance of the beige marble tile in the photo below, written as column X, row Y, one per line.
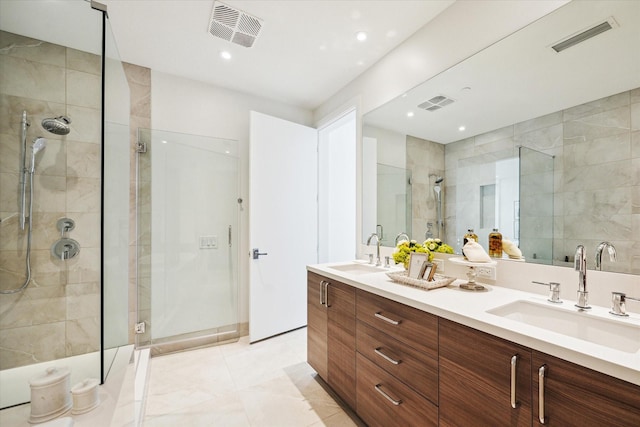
column 494, row 135
column 10, row 153
column 18, row 46
column 82, row 335
column 84, row 89
column 635, row 145
column 83, row 306
column 52, row 161
column 538, row 123
column 140, row 100
column 598, row 177
column 541, row 139
column 226, row 410
column 12, row 107
column 87, row 230
column 43, row 235
column 599, row 125
column 83, row 195
column 84, row 61
column 9, row 191
column 46, row 342
column 32, row 79
column 85, row 267
column 83, row 159
column 635, row 116
column 49, row 193
column 28, row 312
column 85, row 125
column 597, row 151
column 137, row 74
column 597, row 106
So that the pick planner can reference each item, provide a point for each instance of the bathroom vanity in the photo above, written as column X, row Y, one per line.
column 399, row 355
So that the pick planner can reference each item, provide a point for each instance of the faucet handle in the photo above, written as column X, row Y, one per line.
column 554, row 291
column 618, row 303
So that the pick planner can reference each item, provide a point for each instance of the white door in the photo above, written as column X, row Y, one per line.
column 283, row 222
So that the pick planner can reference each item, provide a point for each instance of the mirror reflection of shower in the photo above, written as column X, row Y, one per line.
column 26, row 209
column 437, row 193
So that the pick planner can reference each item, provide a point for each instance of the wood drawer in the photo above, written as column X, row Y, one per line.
column 377, row 410
column 412, row 367
column 406, row 324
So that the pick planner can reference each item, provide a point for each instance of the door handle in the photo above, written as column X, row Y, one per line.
column 257, row 253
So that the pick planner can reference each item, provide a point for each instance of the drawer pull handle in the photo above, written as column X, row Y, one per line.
column 386, row 396
column 322, row 282
column 514, row 365
column 541, row 374
column 386, row 319
column 385, row 357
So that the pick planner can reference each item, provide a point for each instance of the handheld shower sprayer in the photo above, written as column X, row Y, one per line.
column 38, row 145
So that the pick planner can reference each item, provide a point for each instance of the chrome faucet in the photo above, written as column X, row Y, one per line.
column 403, row 234
column 378, row 263
column 581, row 268
column 612, row 253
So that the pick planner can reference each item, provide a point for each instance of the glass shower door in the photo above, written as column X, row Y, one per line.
column 536, row 206
column 187, row 240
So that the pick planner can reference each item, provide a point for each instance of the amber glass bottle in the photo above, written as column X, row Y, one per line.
column 495, row 244
column 470, row 236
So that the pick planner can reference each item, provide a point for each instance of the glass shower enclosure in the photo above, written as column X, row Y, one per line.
column 188, row 224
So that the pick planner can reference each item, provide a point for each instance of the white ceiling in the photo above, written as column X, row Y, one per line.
column 305, row 53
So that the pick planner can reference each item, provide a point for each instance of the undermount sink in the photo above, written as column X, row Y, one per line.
column 582, row 325
column 356, row 268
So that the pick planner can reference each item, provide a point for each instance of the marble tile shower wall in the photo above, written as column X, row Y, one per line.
column 58, row 314
column 139, row 79
column 596, row 173
column 424, row 158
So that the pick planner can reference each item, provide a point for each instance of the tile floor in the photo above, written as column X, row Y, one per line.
column 264, row 384
column 267, row 384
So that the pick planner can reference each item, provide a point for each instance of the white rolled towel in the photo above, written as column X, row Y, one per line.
column 511, row 249
column 475, row 252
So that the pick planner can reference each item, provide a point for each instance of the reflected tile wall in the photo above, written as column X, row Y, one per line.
column 58, row 315
column 596, row 175
column 424, row 158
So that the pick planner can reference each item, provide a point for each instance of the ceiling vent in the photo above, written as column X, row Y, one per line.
column 234, row 25
column 584, row 35
column 436, row 103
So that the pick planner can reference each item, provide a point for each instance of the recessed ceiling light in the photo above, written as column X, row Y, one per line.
column 225, row 55
column 410, row 114
column 164, row 142
column 462, row 128
column 361, row 36
column 360, row 63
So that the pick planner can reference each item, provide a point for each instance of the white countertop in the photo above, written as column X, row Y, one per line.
column 470, row 308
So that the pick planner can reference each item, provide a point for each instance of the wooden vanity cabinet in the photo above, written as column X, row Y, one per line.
column 331, row 330
column 476, row 379
column 576, row 396
column 397, row 363
column 316, row 325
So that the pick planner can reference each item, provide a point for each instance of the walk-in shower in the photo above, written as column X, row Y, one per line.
column 26, row 174
column 437, row 193
column 62, row 312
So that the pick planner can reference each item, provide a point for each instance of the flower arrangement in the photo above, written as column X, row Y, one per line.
column 403, row 250
column 437, row 245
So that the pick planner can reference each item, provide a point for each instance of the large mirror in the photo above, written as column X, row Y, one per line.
column 537, row 135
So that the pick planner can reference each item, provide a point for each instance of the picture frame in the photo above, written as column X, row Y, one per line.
column 428, row 271
column 416, row 260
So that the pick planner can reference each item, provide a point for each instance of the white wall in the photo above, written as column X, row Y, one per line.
column 183, row 105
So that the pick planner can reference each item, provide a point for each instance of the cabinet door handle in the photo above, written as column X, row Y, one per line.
column 386, row 319
column 385, row 357
column 322, row 292
column 326, row 294
column 386, row 396
column 514, row 371
column 541, row 373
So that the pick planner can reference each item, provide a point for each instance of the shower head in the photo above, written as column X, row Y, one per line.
column 39, row 144
column 57, row 125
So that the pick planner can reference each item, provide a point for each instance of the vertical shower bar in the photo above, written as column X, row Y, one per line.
column 23, row 172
